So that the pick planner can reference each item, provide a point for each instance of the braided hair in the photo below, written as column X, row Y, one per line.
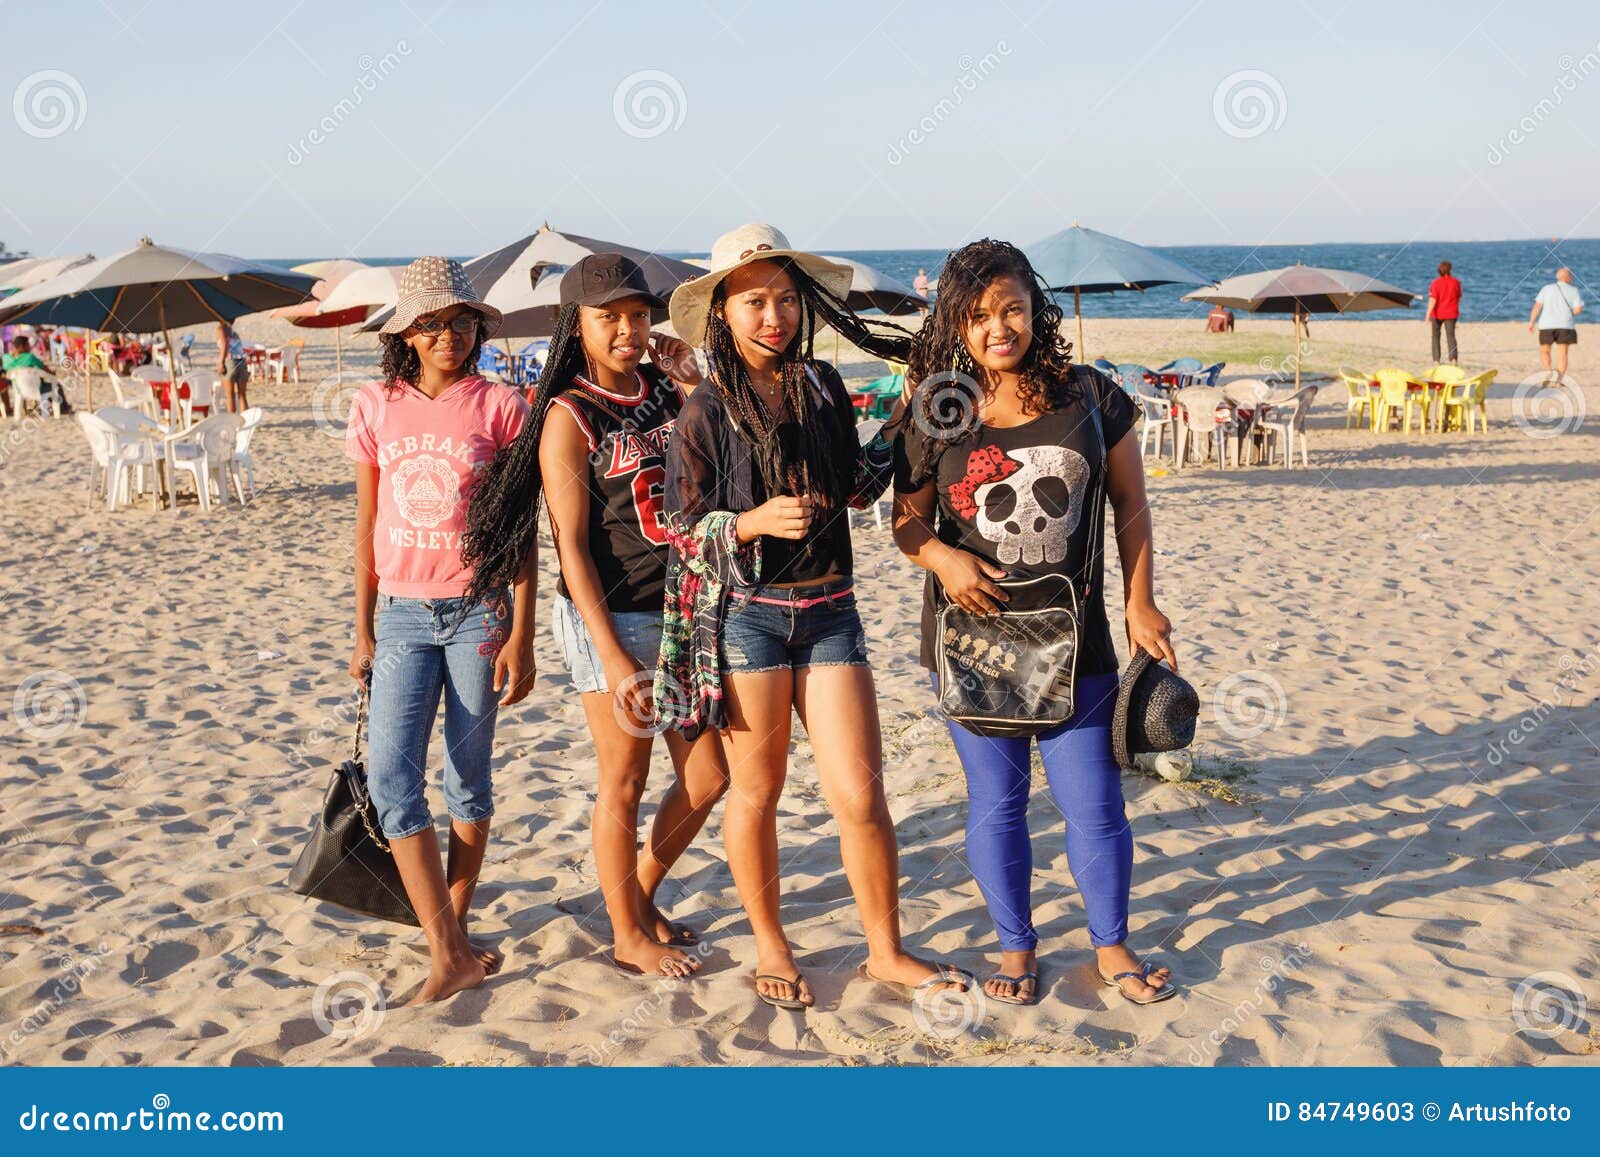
column 939, row 349
column 503, row 511
column 801, row 462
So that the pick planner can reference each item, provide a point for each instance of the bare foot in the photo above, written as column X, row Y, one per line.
column 487, row 956
column 780, row 964
column 1014, row 964
column 903, row 968
column 455, row 974
column 666, row 930
column 1117, row 958
column 649, row 957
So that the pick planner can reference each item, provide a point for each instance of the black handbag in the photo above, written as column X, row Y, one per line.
column 346, row 862
column 1013, row 675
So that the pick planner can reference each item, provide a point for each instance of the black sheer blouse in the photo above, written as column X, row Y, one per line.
column 710, row 466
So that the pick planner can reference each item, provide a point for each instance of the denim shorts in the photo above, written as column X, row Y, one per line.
column 772, row 628
column 422, row 657
column 638, row 631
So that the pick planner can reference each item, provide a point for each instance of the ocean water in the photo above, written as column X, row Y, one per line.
column 1498, row 278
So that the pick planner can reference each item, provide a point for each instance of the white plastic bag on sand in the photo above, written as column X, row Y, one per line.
column 1169, row 765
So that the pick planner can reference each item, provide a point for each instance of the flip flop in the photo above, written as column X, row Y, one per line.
column 947, row 974
column 778, row 1002
column 1018, row 981
column 635, row 970
column 683, row 936
column 1162, row 993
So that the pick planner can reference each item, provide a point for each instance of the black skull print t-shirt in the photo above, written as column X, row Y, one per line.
column 1024, row 499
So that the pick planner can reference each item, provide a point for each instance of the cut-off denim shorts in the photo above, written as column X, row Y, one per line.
column 773, row 628
column 421, row 657
column 638, row 631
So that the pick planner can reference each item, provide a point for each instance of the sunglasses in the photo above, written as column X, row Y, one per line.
column 462, row 323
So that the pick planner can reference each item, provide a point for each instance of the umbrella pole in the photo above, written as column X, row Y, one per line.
column 1297, row 348
column 1077, row 312
column 338, row 353
column 172, row 403
column 835, row 349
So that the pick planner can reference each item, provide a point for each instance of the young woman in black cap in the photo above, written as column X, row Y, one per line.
column 1003, row 475
column 593, row 448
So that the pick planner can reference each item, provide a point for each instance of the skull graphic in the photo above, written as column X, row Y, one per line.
column 1031, row 513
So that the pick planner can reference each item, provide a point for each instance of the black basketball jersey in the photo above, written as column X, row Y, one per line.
column 627, row 445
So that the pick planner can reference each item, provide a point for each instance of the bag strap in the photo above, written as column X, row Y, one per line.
column 361, row 718
column 1096, row 513
column 363, row 802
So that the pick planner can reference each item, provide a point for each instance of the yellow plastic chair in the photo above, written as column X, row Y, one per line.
column 1396, row 394
column 1453, row 404
column 1359, row 404
column 1478, row 403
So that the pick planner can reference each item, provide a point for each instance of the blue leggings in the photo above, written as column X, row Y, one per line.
column 1087, row 786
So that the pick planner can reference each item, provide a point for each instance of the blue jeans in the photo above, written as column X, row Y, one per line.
column 773, row 628
column 639, row 632
column 1087, row 786
column 421, row 654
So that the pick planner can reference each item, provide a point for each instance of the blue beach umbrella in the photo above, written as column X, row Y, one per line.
column 152, row 289
column 1087, row 261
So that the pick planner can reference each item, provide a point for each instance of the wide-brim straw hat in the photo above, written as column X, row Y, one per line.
column 430, row 284
column 1156, row 709
column 691, row 301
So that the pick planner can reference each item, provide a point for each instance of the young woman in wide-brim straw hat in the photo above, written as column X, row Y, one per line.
column 418, row 439
column 1003, row 473
column 593, row 450
column 763, row 468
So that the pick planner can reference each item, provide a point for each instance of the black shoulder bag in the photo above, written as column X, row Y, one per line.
column 1013, row 674
column 346, row 862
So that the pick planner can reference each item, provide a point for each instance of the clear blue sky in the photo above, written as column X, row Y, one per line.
column 464, row 126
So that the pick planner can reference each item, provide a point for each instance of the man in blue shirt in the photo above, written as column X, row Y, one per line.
column 1553, row 312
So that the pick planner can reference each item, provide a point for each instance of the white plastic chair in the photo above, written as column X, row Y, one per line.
column 27, row 387
column 130, row 445
column 135, row 393
column 203, row 390
column 250, row 419
column 1158, row 420
column 98, row 435
column 205, row 452
column 1284, row 421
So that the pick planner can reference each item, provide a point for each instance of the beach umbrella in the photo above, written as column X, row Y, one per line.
column 153, row 289
column 1088, row 261
column 330, row 269
column 507, row 278
column 872, row 288
column 352, row 300
column 31, row 271
column 1301, row 290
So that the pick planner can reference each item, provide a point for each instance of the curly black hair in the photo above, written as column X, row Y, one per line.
column 402, row 364
column 940, row 346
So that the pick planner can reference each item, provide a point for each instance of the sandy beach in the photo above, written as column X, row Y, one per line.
column 1388, row 854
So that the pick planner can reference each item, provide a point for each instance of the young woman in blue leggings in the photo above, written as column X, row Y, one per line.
column 1004, row 474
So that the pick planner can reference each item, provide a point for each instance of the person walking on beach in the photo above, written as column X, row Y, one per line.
column 761, row 616
column 921, row 286
column 418, row 439
column 1444, row 307
column 1014, row 488
column 1555, row 310
column 234, row 367
column 593, row 447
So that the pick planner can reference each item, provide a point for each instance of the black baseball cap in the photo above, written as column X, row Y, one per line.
column 603, row 277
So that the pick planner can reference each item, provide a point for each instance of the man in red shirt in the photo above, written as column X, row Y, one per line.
column 1444, row 307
